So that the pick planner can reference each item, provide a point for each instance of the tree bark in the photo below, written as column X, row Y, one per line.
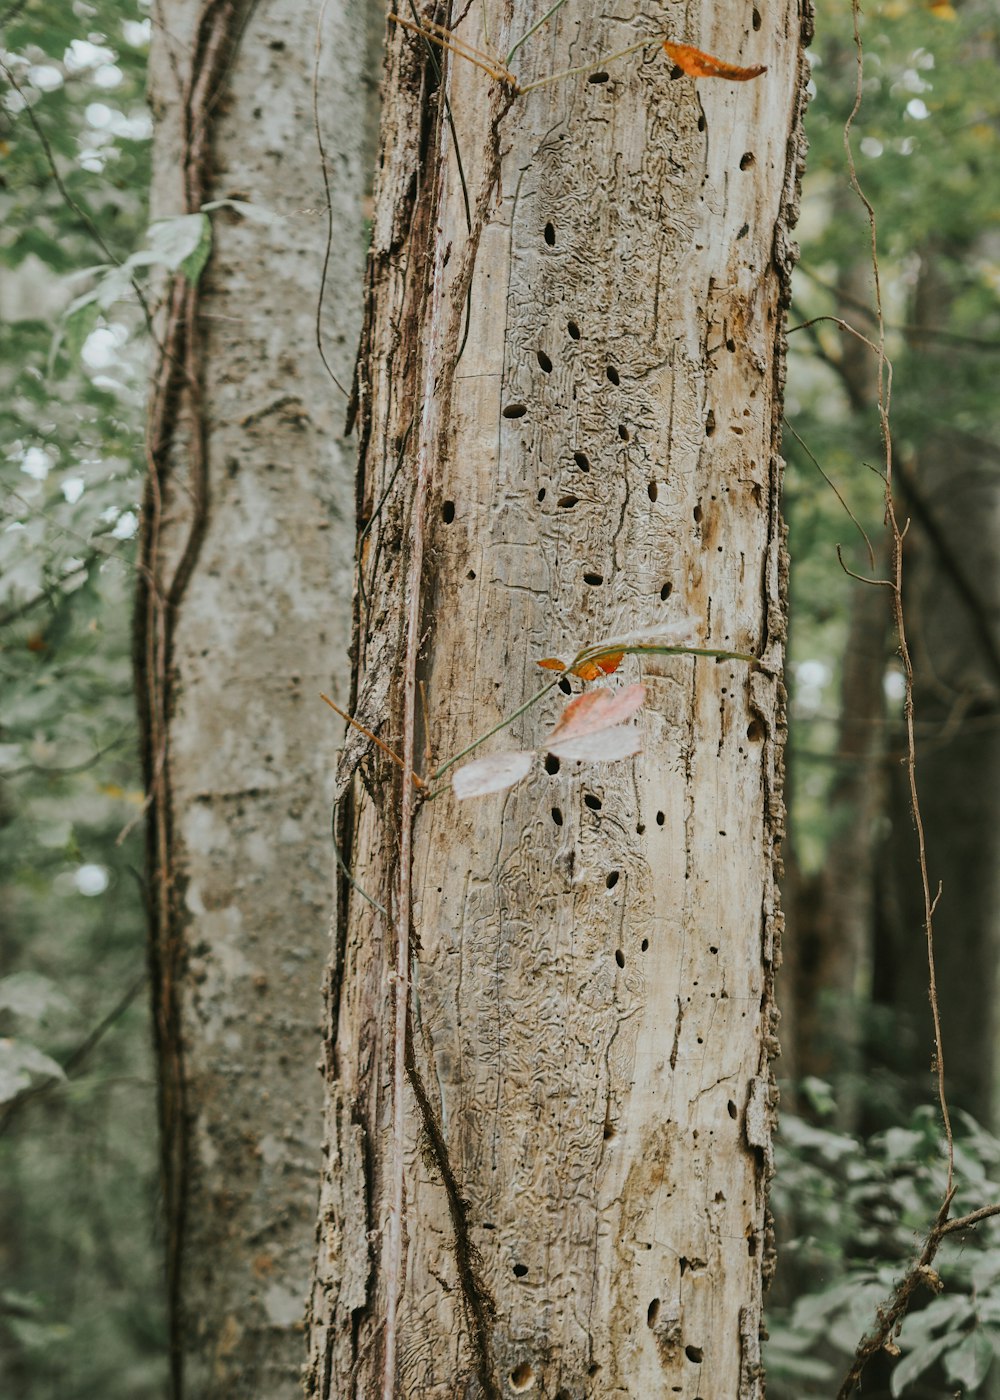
column 243, row 617
column 575, row 977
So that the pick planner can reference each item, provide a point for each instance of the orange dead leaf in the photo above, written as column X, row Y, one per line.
column 587, row 670
column 600, row 666
column 702, row 65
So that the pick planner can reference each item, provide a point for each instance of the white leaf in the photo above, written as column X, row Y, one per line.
column 174, row 240
column 113, row 286
column 256, row 213
column 604, row 747
column 30, row 995
column 681, row 633
column 492, row 774
column 19, row 1060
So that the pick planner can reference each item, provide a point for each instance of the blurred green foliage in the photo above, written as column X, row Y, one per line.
column 854, row 1214
column 81, row 1307
column 926, row 143
column 853, row 1211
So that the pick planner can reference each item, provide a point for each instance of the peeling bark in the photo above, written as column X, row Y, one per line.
column 590, row 1016
column 243, row 617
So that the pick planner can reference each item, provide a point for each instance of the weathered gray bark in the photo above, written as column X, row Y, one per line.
column 243, row 619
column 587, row 1094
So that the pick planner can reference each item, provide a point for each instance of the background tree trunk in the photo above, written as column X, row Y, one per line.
column 244, row 618
column 949, row 489
column 830, row 915
column 589, row 1023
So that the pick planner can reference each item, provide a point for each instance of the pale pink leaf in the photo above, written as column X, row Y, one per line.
column 594, row 711
column 492, row 774
column 621, row 742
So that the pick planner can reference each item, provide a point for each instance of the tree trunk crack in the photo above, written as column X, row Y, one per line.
column 480, row 1307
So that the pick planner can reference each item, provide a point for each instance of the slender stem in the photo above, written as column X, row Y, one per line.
column 325, row 172
column 436, row 792
column 534, row 28
column 888, row 1316
column 586, row 67
column 508, row 719
column 884, row 397
column 656, row 649
column 457, row 40
column 345, row 869
column 833, row 488
column 459, row 47
column 391, row 753
column 965, row 1222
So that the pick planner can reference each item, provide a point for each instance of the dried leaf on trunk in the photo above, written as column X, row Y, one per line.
column 492, row 774
column 604, row 747
column 702, row 65
column 594, row 712
column 586, row 670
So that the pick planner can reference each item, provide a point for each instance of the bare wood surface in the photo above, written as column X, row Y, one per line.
column 587, row 1095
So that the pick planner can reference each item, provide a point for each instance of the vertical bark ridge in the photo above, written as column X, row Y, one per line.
column 161, row 583
column 480, row 1306
column 440, row 364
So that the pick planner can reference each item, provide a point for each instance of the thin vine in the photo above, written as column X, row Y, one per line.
column 920, row 1274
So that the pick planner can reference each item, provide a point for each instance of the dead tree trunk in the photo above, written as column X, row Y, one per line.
column 243, row 616
column 557, row 1002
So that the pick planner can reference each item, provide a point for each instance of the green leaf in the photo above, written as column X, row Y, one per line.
column 951, row 1312
column 256, row 213
column 969, row 1362
column 816, row 1308
column 819, row 1095
column 30, row 995
column 78, row 321
column 803, row 1368
column 19, row 1060
column 831, row 1146
column 182, row 244
column 916, row 1362
column 858, row 1315
column 113, row 286
column 52, row 251
column 39, row 1336
column 193, row 266
column 988, row 1306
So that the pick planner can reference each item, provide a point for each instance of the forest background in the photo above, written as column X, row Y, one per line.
column 860, row 1163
